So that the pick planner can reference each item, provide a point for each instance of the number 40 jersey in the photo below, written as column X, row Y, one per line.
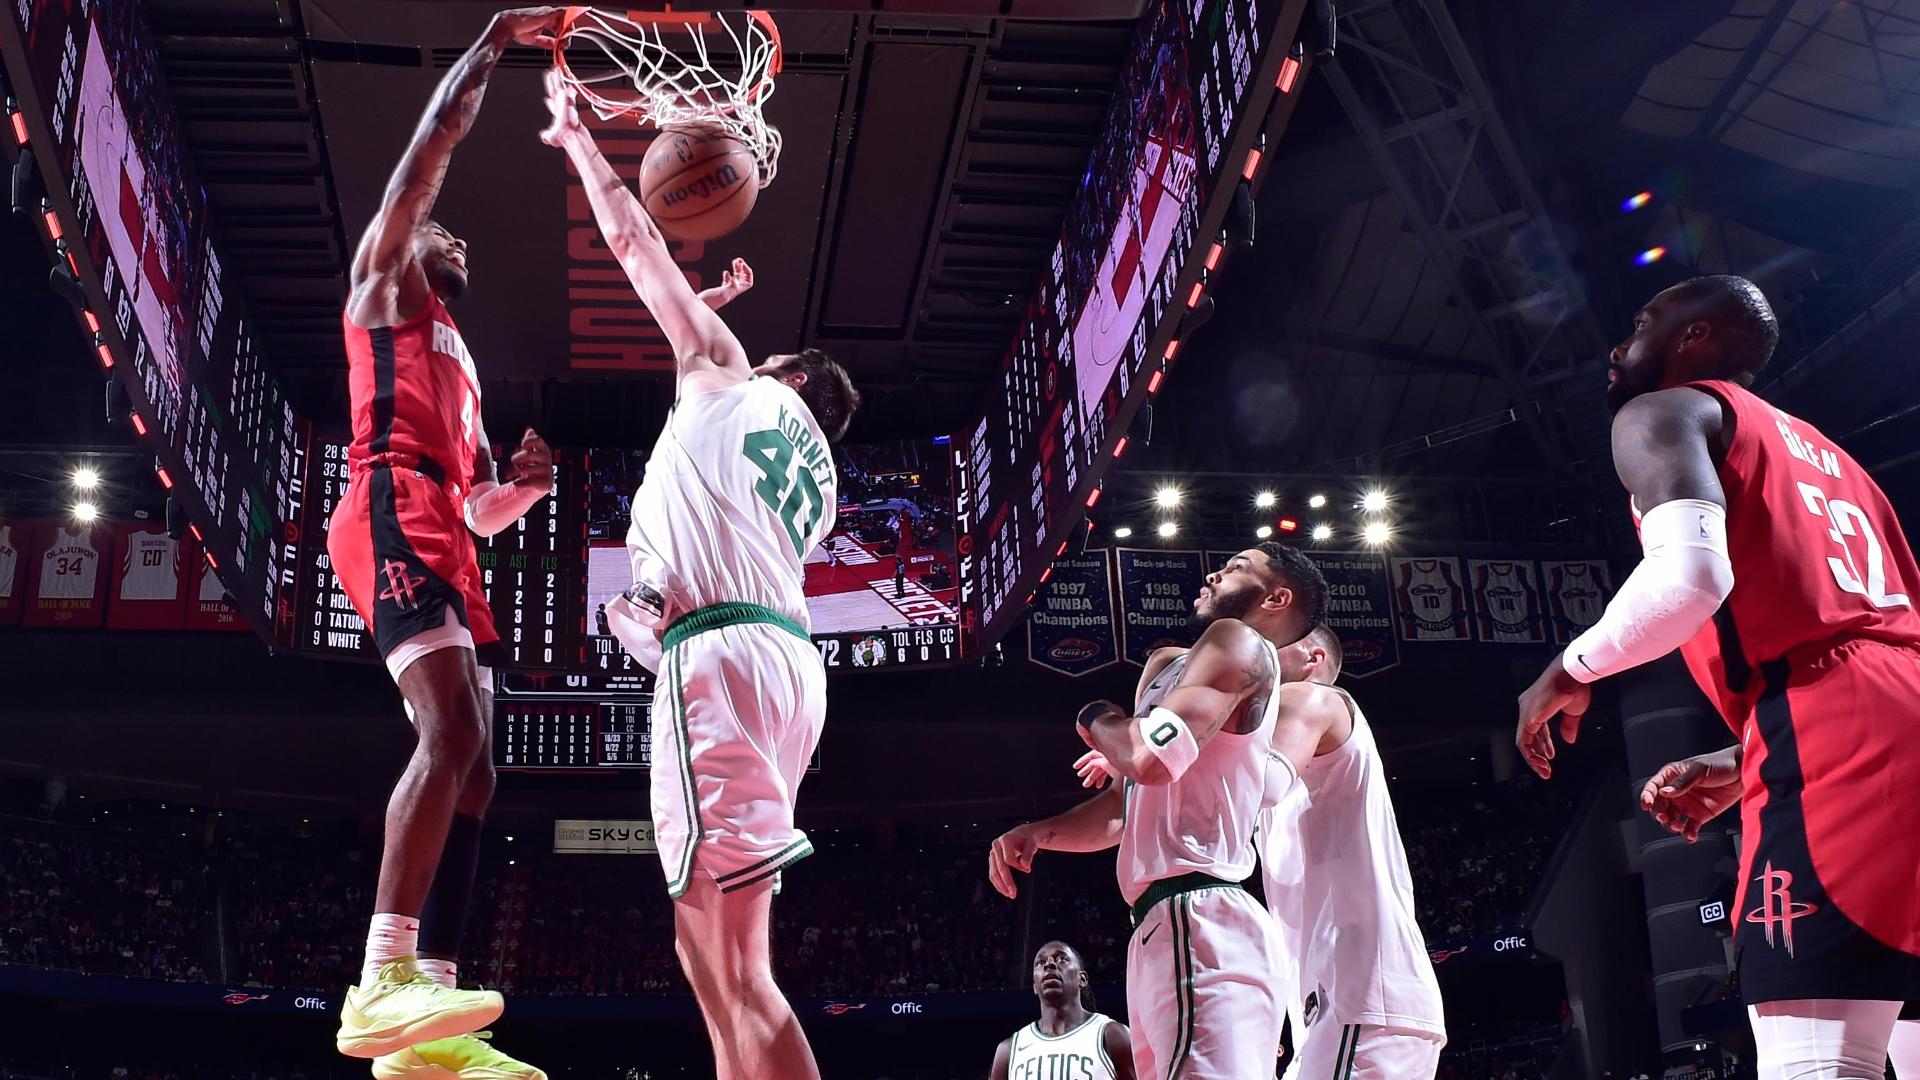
column 740, row 486
column 1819, row 558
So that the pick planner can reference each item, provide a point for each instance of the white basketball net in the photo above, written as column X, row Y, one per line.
column 656, row 85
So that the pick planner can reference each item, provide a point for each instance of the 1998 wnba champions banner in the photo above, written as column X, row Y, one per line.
column 1360, row 609
column 1156, row 599
column 1070, row 628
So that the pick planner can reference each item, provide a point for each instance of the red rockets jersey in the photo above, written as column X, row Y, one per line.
column 1818, row 556
column 414, row 393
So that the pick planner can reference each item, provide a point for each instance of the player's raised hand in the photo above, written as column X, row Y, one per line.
column 1013, row 850
column 737, row 279
column 1092, row 713
column 1554, row 693
column 536, row 26
column 1684, row 795
column 1094, row 770
column 531, row 466
column 563, row 110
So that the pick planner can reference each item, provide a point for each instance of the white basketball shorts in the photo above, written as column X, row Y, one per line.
column 1202, row 997
column 1334, row 1051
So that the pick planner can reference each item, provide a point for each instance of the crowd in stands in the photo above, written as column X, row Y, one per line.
column 101, row 908
column 1477, row 856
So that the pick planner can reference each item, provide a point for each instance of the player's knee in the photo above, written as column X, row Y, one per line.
column 453, row 738
column 477, row 792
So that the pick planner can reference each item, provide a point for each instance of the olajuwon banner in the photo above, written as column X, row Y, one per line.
column 576, row 836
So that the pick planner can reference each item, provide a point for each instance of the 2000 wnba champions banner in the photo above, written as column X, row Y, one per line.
column 1360, row 609
column 1156, row 599
column 1071, row 626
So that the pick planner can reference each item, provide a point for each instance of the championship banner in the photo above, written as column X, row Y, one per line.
column 577, row 836
column 1070, row 627
column 1430, row 599
column 206, row 599
column 1360, row 609
column 1508, row 608
column 1156, row 599
column 147, row 582
column 15, row 541
column 69, row 576
column 1577, row 593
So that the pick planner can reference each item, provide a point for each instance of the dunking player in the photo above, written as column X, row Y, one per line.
column 421, row 477
column 1202, row 966
column 739, row 488
column 1777, row 567
column 1338, row 884
column 1069, row 1040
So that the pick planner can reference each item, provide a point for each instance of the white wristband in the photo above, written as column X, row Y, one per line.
column 1171, row 740
column 1686, row 575
column 491, row 507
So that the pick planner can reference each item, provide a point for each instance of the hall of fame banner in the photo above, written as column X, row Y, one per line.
column 1577, row 592
column 1070, row 628
column 1430, row 599
column 1156, row 599
column 1508, row 605
column 1360, row 609
column 16, row 539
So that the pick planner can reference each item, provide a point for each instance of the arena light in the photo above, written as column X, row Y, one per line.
column 86, row 478
column 1172, row 350
column 1317, row 501
column 1166, row 497
column 1199, row 290
column 1121, row 532
column 1323, row 532
column 1093, row 498
column 1289, row 525
column 1168, row 529
column 1062, row 550
column 1374, row 501
column 1376, row 533
column 1153, row 384
column 1265, row 499
column 1263, row 531
column 1120, row 447
column 1045, row 574
column 50, row 219
column 86, row 513
column 1215, row 253
column 1253, row 164
column 1650, row 256
column 211, row 561
column 195, row 530
column 139, row 425
column 106, row 357
column 19, row 122
column 166, row 478
column 1635, row 202
column 1289, row 74
column 93, row 321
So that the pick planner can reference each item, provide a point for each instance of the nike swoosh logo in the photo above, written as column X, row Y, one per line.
column 1150, row 934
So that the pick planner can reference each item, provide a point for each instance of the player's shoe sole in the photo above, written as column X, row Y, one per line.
column 403, row 1008
column 464, row 1058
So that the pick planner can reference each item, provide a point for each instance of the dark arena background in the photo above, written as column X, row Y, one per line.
column 1128, row 285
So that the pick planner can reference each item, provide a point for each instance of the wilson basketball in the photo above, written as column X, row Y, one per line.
column 699, row 185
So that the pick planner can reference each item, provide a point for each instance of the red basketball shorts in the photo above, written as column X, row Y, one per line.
column 1830, row 817
column 401, row 549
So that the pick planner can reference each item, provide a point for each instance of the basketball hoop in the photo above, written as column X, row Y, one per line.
column 670, row 90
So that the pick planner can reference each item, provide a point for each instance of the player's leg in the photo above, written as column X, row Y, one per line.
column 1228, row 967
column 1903, row 1049
column 1325, row 1051
column 1823, row 1038
column 1381, row 1053
column 723, row 940
column 1154, row 1009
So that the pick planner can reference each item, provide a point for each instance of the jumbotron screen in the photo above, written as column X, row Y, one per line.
column 134, row 221
column 1200, row 72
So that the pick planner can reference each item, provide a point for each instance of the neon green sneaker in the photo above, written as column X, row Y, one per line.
column 404, row 1008
column 464, row 1057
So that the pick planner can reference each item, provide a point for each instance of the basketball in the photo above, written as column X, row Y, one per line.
column 699, row 185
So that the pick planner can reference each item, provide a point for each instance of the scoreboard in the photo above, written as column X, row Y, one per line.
column 129, row 219
column 1157, row 183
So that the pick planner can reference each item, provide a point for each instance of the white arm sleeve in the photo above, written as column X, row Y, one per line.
column 492, row 507
column 1683, row 580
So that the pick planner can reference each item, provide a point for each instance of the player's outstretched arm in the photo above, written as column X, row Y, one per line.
column 1118, row 1042
column 701, row 343
column 1229, row 672
column 1001, row 1054
column 1663, row 449
column 1684, row 795
column 1094, row 825
column 491, row 506
column 387, row 283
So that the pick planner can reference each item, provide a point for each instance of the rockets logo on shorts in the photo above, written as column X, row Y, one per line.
column 401, row 585
column 1777, row 907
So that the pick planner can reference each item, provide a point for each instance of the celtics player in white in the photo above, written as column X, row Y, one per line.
column 1203, row 969
column 1070, row 1041
column 739, row 488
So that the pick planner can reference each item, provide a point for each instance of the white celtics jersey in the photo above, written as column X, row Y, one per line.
column 71, row 566
column 1080, row 1054
column 1204, row 821
column 151, row 569
column 739, row 488
column 9, row 561
column 1362, row 957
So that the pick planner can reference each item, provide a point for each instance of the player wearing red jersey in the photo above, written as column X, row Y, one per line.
column 1777, row 567
column 422, row 476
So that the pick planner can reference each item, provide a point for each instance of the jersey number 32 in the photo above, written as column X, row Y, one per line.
column 792, row 493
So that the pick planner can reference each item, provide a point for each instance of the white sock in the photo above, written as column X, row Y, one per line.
column 389, row 937
column 444, row 972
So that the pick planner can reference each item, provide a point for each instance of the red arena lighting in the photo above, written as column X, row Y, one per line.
column 1289, row 74
column 1121, row 446
column 1288, row 525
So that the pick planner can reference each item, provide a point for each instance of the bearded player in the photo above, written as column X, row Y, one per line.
column 1069, row 1039
column 740, row 486
column 421, row 477
column 1778, row 569
column 1203, row 970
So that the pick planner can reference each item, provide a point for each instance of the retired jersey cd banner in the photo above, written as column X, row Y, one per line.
column 1070, row 627
column 206, row 601
column 148, row 584
column 1577, row 593
column 1156, row 599
column 1360, row 609
column 1507, row 606
column 69, row 576
column 1429, row 599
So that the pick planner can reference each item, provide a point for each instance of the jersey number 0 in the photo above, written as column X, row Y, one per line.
column 792, row 493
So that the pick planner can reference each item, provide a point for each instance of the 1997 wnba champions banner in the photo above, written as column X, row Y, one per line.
column 1360, row 609
column 1156, row 599
column 1070, row 628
